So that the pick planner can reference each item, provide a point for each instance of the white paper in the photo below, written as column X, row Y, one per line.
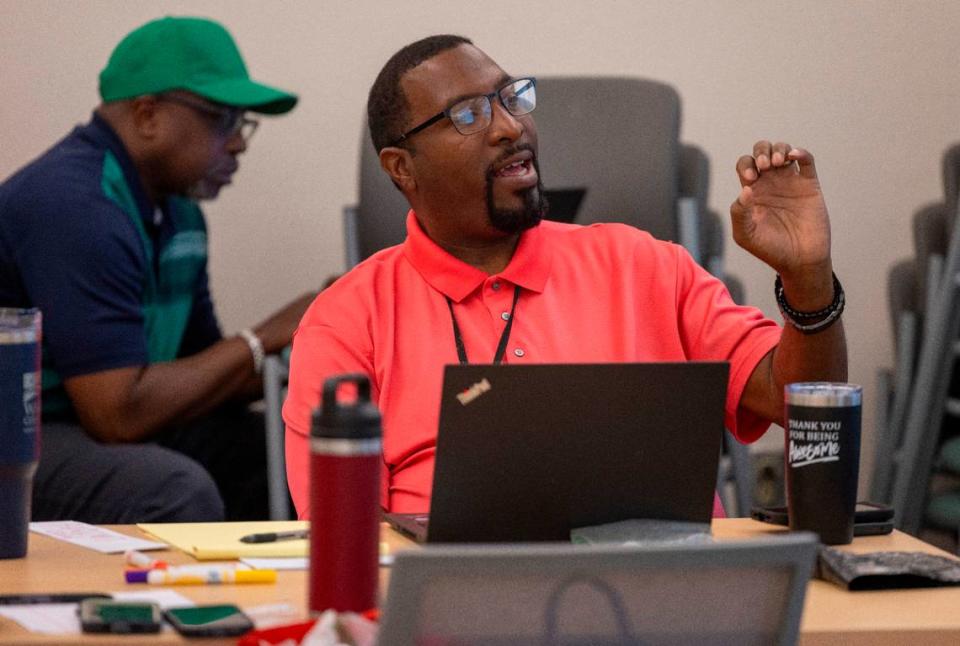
column 93, row 537
column 292, row 563
column 164, row 598
column 62, row 619
column 296, row 562
column 273, row 614
column 46, row 618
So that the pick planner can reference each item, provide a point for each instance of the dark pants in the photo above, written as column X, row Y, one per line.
column 212, row 469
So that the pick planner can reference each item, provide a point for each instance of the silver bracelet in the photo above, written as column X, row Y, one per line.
column 256, row 348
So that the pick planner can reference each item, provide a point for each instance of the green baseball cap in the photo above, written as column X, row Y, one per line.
column 194, row 54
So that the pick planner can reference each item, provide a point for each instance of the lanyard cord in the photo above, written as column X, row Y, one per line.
column 504, row 337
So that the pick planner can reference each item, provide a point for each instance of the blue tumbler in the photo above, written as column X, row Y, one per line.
column 19, row 424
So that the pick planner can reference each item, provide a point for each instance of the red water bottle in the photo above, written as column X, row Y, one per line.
column 345, row 464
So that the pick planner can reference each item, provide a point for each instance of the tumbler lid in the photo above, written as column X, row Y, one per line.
column 823, row 393
column 355, row 420
column 19, row 325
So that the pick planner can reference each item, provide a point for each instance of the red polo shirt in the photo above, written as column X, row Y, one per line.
column 600, row 293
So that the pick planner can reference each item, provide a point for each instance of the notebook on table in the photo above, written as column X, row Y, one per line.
column 531, row 452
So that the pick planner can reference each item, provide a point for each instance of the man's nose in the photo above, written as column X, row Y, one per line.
column 503, row 125
column 236, row 144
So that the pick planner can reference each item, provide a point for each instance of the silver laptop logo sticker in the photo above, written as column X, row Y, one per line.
column 474, row 391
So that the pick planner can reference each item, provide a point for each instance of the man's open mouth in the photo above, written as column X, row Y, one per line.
column 520, row 167
column 517, row 171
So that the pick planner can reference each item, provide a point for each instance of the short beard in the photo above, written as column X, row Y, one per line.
column 534, row 207
column 203, row 190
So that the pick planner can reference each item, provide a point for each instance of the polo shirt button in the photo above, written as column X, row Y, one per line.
column 495, row 285
column 519, row 352
column 505, row 316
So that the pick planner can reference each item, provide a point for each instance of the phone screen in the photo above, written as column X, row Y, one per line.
column 104, row 615
column 140, row 613
column 219, row 620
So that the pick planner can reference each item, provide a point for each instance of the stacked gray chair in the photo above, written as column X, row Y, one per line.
column 894, row 386
column 925, row 302
column 909, row 286
column 930, row 394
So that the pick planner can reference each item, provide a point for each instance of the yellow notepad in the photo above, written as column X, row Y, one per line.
column 221, row 541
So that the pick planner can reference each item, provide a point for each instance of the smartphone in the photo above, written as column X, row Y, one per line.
column 871, row 512
column 224, row 620
column 44, row 597
column 108, row 616
column 870, row 518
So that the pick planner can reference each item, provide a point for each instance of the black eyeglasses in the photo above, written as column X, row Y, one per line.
column 227, row 121
column 474, row 114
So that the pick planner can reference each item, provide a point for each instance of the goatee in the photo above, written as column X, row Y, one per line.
column 527, row 216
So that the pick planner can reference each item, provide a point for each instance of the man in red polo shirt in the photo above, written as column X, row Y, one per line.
column 481, row 278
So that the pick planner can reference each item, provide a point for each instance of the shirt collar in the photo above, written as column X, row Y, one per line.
column 529, row 267
column 101, row 133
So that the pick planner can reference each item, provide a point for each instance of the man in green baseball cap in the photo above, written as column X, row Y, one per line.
column 195, row 64
column 144, row 400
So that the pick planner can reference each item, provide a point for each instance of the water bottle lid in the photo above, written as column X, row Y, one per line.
column 822, row 393
column 19, row 326
column 357, row 420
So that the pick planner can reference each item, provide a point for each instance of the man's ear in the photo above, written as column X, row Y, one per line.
column 145, row 114
column 398, row 164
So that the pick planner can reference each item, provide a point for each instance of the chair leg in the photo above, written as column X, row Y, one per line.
column 274, row 376
column 742, row 469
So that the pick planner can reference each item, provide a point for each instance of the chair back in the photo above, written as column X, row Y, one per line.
column 951, row 178
column 614, row 138
column 618, row 139
column 743, row 592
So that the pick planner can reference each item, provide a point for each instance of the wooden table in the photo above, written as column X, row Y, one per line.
column 831, row 615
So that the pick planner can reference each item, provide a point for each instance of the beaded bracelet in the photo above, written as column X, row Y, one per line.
column 828, row 315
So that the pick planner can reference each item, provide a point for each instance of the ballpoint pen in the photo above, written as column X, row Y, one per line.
column 271, row 537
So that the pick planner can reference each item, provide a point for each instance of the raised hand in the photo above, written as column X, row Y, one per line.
column 781, row 218
column 780, row 215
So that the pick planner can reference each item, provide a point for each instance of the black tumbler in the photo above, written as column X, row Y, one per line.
column 19, row 424
column 822, row 430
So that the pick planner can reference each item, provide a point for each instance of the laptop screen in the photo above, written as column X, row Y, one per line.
column 564, row 203
column 530, row 452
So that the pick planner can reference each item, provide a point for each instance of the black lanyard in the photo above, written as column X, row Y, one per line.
column 501, row 347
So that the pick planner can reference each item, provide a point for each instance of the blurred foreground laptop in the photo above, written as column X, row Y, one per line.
column 530, row 452
column 737, row 593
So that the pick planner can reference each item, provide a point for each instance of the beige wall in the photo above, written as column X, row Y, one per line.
column 872, row 88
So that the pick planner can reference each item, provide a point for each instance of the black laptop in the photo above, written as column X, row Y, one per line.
column 530, row 452
column 564, row 203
